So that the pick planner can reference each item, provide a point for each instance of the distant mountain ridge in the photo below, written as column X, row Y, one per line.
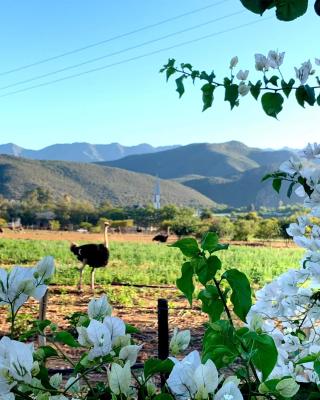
column 90, row 182
column 81, row 152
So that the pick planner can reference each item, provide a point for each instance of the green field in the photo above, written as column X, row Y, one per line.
column 146, row 263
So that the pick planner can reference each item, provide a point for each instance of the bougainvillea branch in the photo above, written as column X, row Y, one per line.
column 272, row 89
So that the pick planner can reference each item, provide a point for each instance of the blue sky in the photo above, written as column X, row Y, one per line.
column 130, row 103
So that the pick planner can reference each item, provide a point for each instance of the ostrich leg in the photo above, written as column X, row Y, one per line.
column 81, row 272
column 92, row 279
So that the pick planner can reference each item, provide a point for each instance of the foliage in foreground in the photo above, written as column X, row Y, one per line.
column 273, row 352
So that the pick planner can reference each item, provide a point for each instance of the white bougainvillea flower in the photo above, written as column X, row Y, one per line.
column 120, row 379
column 234, row 61
column 229, row 391
column 99, row 308
column 243, row 89
column 17, row 359
column 5, row 387
column 291, row 166
column 317, row 61
column 262, row 63
column 275, row 59
column 73, row 384
column 179, row 341
column 116, row 327
column 243, row 75
column 130, row 353
column 121, row 341
column 55, row 380
column 304, row 72
column 97, row 336
column 190, row 378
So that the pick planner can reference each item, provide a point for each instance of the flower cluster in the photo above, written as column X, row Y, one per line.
column 288, row 308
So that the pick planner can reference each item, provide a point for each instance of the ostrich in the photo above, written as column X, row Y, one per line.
column 94, row 255
column 161, row 237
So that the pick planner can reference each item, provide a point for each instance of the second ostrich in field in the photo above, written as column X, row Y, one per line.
column 161, row 237
column 93, row 255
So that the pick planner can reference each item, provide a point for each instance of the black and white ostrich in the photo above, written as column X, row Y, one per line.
column 161, row 237
column 92, row 254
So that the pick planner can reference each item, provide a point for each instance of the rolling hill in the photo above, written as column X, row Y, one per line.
column 203, row 159
column 81, row 152
column 85, row 181
column 228, row 173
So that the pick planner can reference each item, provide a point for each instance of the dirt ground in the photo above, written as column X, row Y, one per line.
column 65, row 300
column 122, row 237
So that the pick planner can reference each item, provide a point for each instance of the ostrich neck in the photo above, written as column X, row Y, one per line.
column 106, row 241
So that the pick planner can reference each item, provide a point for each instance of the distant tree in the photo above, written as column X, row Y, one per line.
column 54, row 225
column 268, row 228
column 244, row 229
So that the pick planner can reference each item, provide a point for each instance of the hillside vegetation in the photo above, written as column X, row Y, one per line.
column 94, row 183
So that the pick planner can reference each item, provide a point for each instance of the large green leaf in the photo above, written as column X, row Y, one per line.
column 211, row 302
column 209, row 241
column 188, row 246
column 265, row 355
column 241, row 292
column 180, row 85
column 288, row 10
column 207, row 95
column 232, row 94
column 154, row 365
column 258, row 6
column 272, row 104
column 66, row 338
column 185, row 283
column 305, row 94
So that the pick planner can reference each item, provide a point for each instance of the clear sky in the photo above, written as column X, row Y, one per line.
column 130, row 102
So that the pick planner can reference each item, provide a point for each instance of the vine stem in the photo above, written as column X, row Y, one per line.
column 266, row 88
column 254, row 372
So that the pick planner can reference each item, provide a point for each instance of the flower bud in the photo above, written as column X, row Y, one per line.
column 55, row 380
column 233, row 62
column 35, row 368
column 179, row 341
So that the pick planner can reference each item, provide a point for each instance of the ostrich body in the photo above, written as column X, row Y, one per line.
column 161, row 238
column 93, row 255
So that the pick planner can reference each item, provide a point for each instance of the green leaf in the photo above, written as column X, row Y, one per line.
column 276, row 184
column 186, row 66
column 211, row 302
column 318, row 100
column 255, row 89
column 221, row 355
column 185, row 283
column 206, row 268
column 163, row 396
column 194, row 75
column 154, row 366
column 231, row 95
column 131, row 329
column 258, row 6
column 180, row 85
column 264, row 345
column 207, row 77
column 209, row 241
column 288, row 10
column 207, row 95
column 241, row 292
column 316, row 366
column 66, row 338
column 290, row 188
column 272, row 104
column 274, row 80
column 308, row 358
column 305, row 94
column 287, row 87
column 188, row 246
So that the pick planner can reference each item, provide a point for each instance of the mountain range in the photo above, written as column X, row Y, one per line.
column 81, row 152
column 90, row 182
column 225, row 173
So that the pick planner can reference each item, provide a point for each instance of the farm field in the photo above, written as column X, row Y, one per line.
column 139, row 272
